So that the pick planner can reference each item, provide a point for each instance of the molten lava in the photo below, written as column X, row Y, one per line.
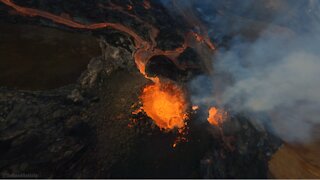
column 165, row 103
column 145, row 50
column 194, row 107
column 216, row 116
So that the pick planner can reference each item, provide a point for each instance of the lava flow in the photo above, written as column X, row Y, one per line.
column 165, row 103
column 216, row 117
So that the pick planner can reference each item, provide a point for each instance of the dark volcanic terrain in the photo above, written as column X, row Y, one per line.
column 67, row 97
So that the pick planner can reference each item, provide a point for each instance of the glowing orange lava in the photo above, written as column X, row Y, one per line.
column 194, row 108
column 165, row 103
column 145, row 50
column 216, row 116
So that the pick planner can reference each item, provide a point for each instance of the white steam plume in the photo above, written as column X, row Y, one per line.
column 275, row 73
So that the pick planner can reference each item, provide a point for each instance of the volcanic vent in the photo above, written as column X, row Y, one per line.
column 132, row 112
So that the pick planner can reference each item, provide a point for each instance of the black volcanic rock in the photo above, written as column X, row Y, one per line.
column 83, row 130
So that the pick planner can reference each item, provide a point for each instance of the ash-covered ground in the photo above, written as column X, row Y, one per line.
column 82, row 127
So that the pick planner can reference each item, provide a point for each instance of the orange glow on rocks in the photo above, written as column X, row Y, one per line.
column 129, row 7
column 165, row 103
column 216, row 117
column 146, row 4
column 194, row 108
column 145, row 50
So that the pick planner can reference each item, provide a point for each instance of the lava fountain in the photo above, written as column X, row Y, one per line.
column 216, row 117
column 166, row 104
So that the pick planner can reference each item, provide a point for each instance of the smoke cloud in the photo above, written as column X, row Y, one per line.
column 271, row 65
column 276, row 76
